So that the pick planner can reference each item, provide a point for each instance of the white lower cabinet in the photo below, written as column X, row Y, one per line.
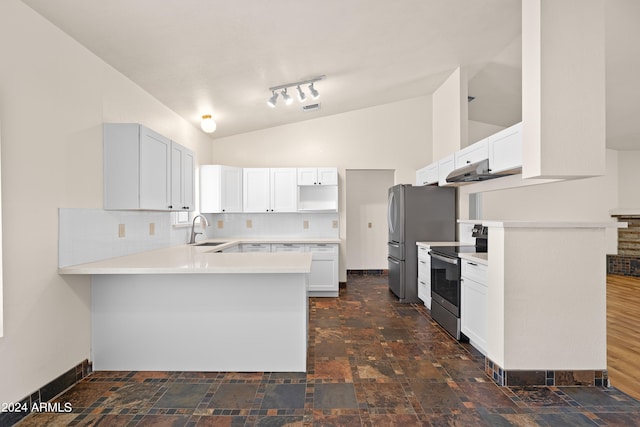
column 256, row 247
column 286, row 247
column 323, row 280
column 473, row 304
column 424, row 275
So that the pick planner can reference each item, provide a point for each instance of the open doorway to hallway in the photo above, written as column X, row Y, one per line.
column 366, row 210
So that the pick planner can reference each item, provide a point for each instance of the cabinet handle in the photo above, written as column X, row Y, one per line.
column 223, row 210
column 472, row 263
column 468, row 161
column 170, row 206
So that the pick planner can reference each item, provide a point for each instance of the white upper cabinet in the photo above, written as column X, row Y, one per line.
column 471, row 154
column 317, row 176
column 427, row 175
column 182, row 178
column 284, row 190
column 445, row 166
column 138, row 170
column 505, row 149
column 220, row 189
column 269, row 190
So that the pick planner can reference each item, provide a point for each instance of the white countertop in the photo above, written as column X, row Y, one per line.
column 544, row 224
column 194, row 259
column 479, row 257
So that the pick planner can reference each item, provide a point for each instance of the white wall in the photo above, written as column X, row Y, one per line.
column 367, row 231
column 450, row 115
column 588, row 199
column 393, row 136
column 628, row 179
column 54, row 97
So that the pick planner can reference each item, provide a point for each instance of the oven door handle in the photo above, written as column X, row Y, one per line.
column 453, row 261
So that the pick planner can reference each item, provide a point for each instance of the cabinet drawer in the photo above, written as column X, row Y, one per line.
column 256, row 247
column 424, row 270
column 286, row 247
column 423, row 253
column 475, row 271
column 321, row 247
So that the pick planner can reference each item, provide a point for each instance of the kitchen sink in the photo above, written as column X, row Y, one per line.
column 210, row 243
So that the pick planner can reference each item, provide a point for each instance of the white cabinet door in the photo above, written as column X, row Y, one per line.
column 323, row 279
column 327, row 176
column 220, row 189
column 473, row 304
column 307, row 176
column 230, row 189
column 155, row 170
column 445, row 167
column 137, row 168
column 182, row 178
column 505, row 149
column 317, row 176
column 424, row 275
column 427, row 175
column 471, row 154
column 284, row 190
column 256, row 190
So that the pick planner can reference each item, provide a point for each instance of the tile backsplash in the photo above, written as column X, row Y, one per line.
column 265, row 225
column 87, row 235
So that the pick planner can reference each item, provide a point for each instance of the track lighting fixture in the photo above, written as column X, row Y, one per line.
column 272, row 101
column 301, row 95
column 287, row 99
column 208, row 125
column 314, row 93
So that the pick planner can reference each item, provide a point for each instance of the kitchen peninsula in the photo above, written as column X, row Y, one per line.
column 192, row 308
column 546, row 302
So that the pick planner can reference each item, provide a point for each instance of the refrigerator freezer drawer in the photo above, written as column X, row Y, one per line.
column 396, row 277
column 396, row 250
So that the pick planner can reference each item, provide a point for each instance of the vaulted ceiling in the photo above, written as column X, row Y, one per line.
column 220, row 57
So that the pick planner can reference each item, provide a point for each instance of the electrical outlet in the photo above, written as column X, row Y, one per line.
column 335, row 223
column 220, row 223
column 370, row 225
column 305, row 224
column 121, row 232
column 249, row 223
column 152, row 229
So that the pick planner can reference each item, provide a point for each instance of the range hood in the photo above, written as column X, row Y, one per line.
column 478, row 171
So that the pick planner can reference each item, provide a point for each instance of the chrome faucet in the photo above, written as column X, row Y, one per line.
column 193, row 228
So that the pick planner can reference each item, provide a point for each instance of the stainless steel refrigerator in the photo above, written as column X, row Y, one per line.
column 416, row 214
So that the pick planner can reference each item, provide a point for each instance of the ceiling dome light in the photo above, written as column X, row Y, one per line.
column 313, row 91
column 272, row 101
column 207, row 124
column 301, row 95
column 287, row 99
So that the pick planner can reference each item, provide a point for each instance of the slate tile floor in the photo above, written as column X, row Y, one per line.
column 371, row 362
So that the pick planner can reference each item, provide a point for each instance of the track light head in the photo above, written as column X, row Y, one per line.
column 287, row 99
column 301, row 95
column 272, row 101
column 314, row 93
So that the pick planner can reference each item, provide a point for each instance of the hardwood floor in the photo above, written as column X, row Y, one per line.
column 623, row 333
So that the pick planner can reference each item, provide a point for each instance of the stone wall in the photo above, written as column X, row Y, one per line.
column 627, row 261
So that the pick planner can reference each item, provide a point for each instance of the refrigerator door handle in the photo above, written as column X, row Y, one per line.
column 394, row 244
column 393, row 260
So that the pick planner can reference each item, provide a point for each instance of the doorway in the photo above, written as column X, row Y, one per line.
column 366, row 210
